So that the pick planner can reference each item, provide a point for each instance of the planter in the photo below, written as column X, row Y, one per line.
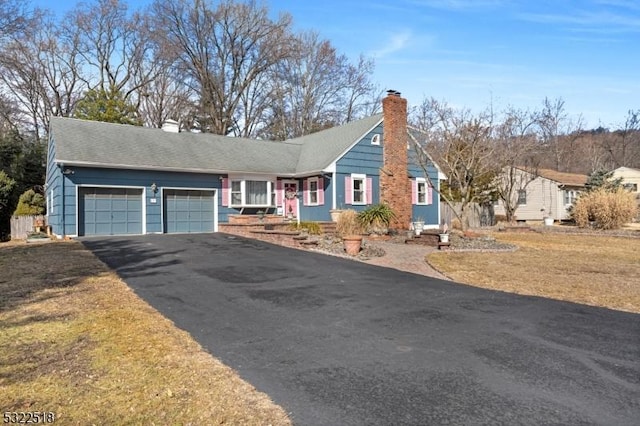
column 335, row 215
column 444, row 238
column 352, row 244
column 418, row 227
column 548, row 221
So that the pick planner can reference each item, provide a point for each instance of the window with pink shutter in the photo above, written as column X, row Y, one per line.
column 321, row 192
column 359, row 190
column 225, row 192
column 348, row 190
column 305, row 193
column 414, row 192
column 279, row 193
column 420, row 191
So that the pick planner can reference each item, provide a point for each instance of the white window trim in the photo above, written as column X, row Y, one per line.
column 375, row 139
column 271, row 186
column 354, row 177
column 423, row 181
column 518, row 197
column 317, row 181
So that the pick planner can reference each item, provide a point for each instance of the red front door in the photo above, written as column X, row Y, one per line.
column 290, row 199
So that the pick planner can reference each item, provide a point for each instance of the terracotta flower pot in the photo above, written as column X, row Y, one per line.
column 352, row 244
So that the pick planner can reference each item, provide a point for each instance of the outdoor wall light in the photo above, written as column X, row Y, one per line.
column 154, row 188
column 67, row 172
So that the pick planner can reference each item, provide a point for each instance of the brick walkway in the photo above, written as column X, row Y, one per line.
column 405, row 257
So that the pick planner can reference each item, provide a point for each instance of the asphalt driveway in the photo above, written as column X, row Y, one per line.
column 337, row 342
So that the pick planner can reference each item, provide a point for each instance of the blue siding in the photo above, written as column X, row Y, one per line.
column 365, row 158
column 53, row 191
column 137, row 178
column 362, row 158
column 430, row 213
column 318, row 213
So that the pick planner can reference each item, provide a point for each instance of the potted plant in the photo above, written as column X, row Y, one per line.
column 350, row 230
column 418, row 225
column 376, row 219
column 444, row 235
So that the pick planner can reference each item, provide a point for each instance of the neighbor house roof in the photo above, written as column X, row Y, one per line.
column 98, row 144
column 568, row 179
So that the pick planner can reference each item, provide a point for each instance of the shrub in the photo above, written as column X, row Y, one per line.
column 376, row 218
column 312, row 227
column 30, row 204
column 608, row 210
column 348, row 224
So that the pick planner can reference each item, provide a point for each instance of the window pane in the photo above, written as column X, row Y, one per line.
column 358, row 190
column 522, row 196
column 235, row 186
column 257, row 192
column 422, row 193
column 313, row 192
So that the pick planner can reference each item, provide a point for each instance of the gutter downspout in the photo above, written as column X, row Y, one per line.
column 64, row 206
column 334, row 191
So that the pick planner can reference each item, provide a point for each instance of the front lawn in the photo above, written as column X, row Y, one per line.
column 593, row 270
column 78, row 342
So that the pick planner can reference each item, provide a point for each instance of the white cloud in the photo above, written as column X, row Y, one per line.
column 396, row 42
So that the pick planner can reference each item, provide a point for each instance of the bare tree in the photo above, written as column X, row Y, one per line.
column 516, row 148
column 114, row 45
column 462, row 146
column 220, row 51
column 312, row 78
column 554, row 123
column 14, row 17
column 41, row 72
column 624, row 148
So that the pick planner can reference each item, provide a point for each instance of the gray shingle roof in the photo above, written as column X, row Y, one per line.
column 101, row 144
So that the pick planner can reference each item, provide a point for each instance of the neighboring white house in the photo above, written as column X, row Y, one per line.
column 630, row 179
column 549, row 194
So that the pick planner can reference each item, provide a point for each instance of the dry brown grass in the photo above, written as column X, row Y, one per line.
column 593, row 270
column 77, row 341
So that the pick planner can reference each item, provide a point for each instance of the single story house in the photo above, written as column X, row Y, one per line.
column 630, row 179
column 113, row 179
column 549, row 193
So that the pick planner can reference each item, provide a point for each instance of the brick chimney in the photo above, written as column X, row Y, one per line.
column 395, row 185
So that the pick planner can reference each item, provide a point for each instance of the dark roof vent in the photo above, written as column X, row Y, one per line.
column 392, row 92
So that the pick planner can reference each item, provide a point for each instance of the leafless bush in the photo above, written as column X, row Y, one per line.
column 348, row 223
column 609, row 210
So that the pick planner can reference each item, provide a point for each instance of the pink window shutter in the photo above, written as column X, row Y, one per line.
column 429, row 194
column 305, row 192
column 225, row 192
column 321, row 191
column 414, row 192
column 348, row 190
column 369, row 191
column 279, row 193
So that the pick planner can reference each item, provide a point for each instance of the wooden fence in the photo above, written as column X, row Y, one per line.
column 477, row 215
column 22, row 225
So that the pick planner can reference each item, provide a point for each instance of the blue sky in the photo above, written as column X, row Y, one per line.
column 472, row 53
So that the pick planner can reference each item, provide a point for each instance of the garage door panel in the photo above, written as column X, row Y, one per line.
column 110, row 211
column 189, row 211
